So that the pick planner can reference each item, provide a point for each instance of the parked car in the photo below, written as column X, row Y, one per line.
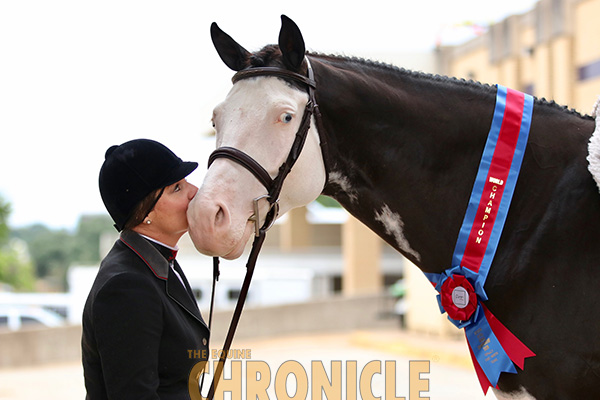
column 14, row 317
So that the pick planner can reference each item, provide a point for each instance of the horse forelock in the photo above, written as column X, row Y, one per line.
column 268, row 56
column 271, row 56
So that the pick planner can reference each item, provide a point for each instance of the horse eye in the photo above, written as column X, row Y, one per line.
column 286, row 118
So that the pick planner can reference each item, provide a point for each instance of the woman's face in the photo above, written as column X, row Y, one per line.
column 169, row 216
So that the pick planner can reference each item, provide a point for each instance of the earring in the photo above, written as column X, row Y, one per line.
column 148, row 222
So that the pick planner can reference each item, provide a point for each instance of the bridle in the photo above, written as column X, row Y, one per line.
column 273, row 187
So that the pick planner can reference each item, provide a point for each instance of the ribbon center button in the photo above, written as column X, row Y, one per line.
column 460, row 297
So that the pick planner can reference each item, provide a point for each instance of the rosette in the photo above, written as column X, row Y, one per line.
column 458, row 298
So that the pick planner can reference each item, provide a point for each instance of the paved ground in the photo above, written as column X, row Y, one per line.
column 450, row 374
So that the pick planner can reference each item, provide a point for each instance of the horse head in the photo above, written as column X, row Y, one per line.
column 259, row 118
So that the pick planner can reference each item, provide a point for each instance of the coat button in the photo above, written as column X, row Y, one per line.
column 204, row 341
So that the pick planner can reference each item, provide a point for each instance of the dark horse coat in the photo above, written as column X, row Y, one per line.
column 139, row 324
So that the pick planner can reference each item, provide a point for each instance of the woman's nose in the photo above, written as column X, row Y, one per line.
column 193, row 190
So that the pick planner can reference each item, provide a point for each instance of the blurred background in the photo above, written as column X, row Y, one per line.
column 79, row 76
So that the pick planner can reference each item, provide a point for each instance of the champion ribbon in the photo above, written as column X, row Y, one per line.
column 494, row 349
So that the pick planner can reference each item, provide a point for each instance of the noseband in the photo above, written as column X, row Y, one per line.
column 274, row 186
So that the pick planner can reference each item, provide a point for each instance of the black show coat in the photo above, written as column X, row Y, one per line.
column 139, row 326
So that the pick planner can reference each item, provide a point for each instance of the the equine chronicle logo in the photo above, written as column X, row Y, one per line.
column 291, row 380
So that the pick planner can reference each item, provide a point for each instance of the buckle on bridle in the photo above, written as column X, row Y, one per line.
column 273, row 207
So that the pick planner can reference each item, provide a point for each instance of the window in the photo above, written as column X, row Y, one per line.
column 29, row 321
column 337, row 284
column 558, row 17
column 528, row 89
column 589, row 71
column 233, row 294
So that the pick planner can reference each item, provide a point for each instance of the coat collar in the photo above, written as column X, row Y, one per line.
column 150, row 255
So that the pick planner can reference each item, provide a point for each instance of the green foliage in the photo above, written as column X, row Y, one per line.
column 86, row 242
column 54, row 251
column 5, row 211
column 328, row 202
column 15, row 269
column 51, row 251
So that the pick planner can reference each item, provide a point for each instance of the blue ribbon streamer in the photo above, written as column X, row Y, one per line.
column 488, row 351
column 483, row 342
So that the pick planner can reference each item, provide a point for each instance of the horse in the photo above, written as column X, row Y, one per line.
column 399, row 150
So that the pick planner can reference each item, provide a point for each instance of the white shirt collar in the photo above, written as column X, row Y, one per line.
column 176, row 248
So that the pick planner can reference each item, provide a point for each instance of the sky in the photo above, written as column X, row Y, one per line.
column 78, row 76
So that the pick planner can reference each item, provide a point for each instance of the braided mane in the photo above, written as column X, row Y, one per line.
column 270, row 55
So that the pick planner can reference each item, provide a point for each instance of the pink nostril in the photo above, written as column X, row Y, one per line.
column 221, row 216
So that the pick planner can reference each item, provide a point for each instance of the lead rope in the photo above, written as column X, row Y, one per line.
column 256, row 246
column 216, row 274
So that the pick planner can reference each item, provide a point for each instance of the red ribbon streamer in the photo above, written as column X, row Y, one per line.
column 514, row 348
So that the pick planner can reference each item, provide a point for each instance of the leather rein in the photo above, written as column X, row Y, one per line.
column 273, row 187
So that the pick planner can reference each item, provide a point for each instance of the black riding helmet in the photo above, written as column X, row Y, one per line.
column 135, row 169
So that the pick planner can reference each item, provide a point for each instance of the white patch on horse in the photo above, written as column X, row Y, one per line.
column 344, row 183
column 521, row 395
column 593, row 157
column 394, row 226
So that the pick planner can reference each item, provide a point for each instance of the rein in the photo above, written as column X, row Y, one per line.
column 273, row 187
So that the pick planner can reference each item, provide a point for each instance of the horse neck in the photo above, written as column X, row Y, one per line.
column 404, row 151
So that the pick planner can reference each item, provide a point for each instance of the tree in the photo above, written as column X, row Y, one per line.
column 51, row 251
column 87, row 238
column 15, row 268
column 54, row 251
column 5, row 211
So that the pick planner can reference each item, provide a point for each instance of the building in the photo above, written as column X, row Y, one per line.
column 548, row 52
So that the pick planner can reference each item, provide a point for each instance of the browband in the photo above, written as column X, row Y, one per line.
column 272, row 71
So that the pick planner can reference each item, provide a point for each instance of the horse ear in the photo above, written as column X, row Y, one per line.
column 291, row 44
column 232, row 54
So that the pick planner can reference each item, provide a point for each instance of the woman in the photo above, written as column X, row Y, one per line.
column 141, row 323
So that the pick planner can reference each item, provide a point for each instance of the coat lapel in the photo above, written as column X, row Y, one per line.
column 159, row 266
column 180, row 294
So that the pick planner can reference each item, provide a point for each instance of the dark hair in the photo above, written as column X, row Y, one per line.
column 143, row 208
